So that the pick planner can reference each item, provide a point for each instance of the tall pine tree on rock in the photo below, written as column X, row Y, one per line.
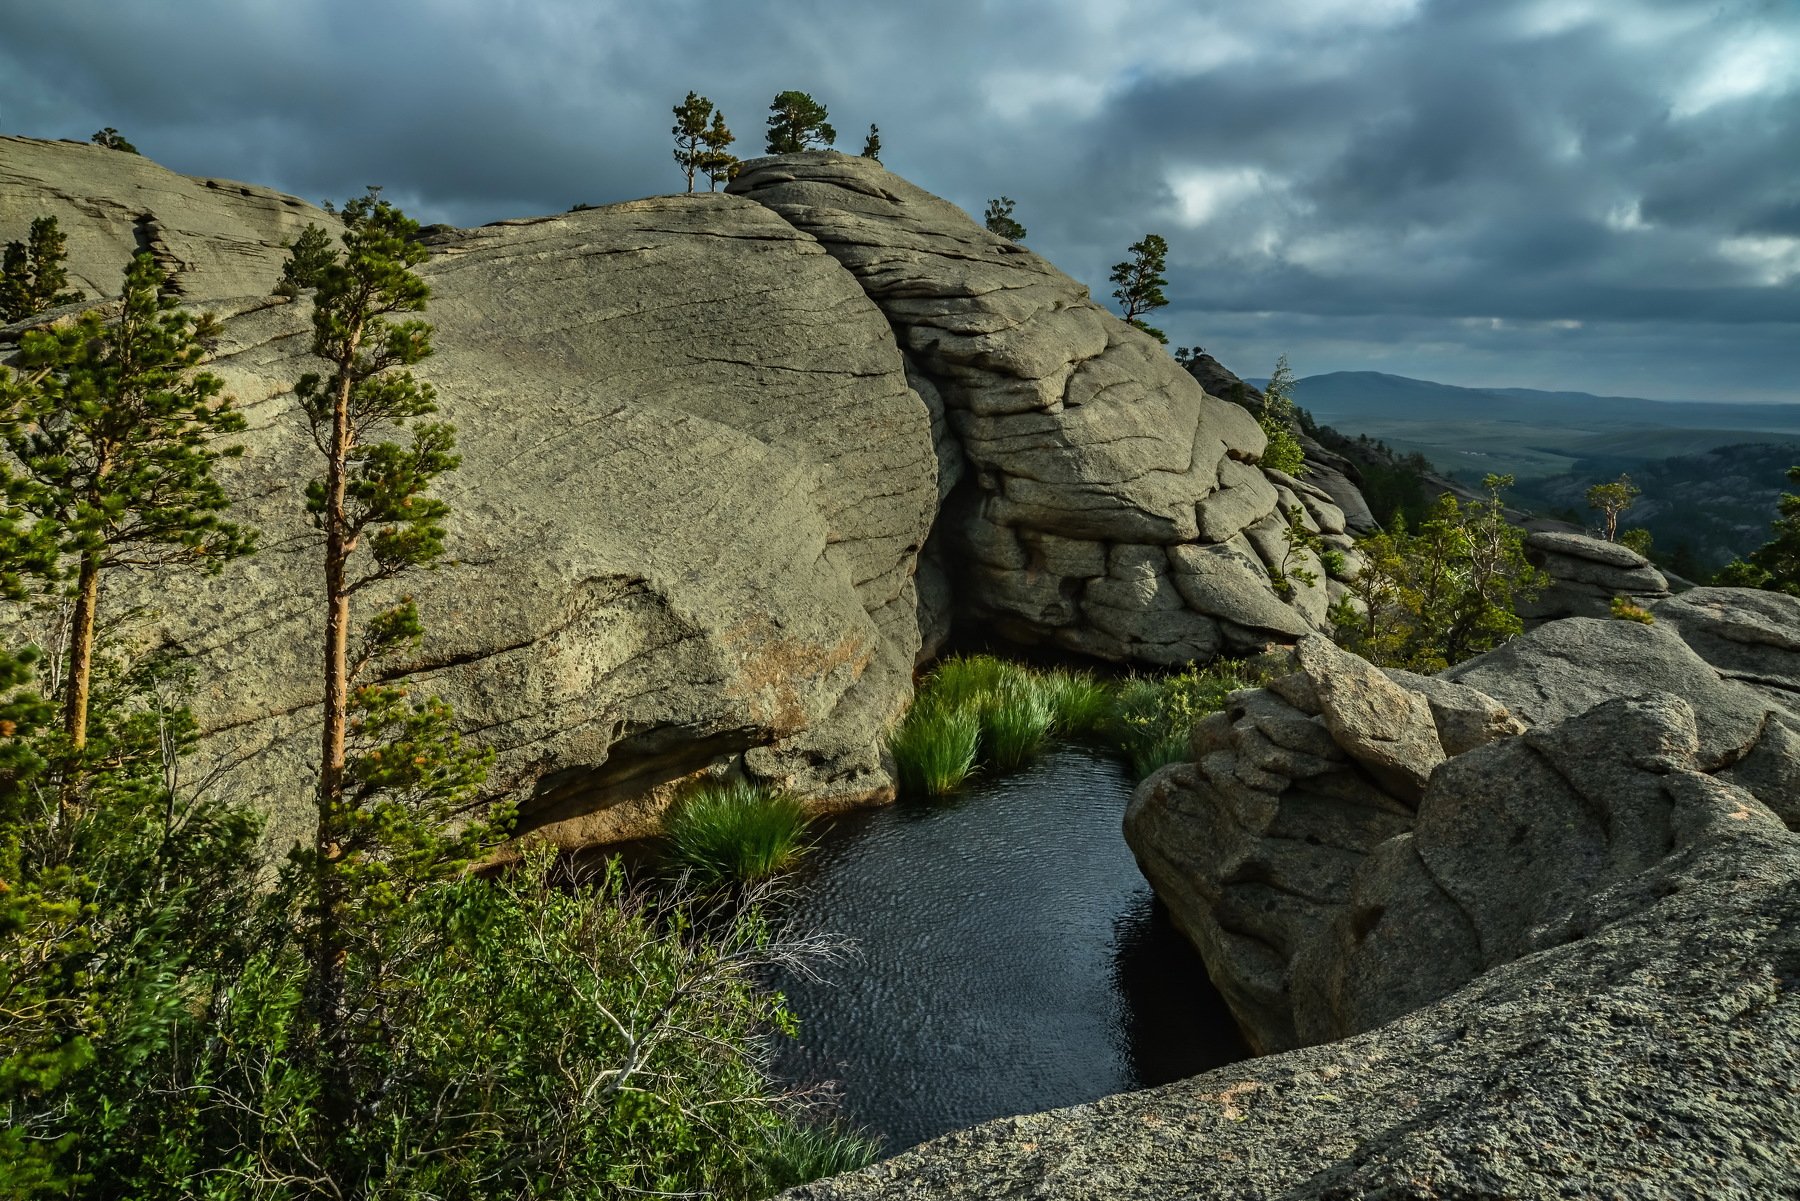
column 690, row 134
column 393, row 774
column 1140, row 280
column 798, row 122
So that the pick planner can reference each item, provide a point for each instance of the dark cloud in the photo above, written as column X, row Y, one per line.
column 1586, row 194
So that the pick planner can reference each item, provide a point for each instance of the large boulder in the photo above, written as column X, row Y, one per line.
column 1586, row 574
column 1314, row 806
column 695, row 482
column 694, row 528
column 1100, row 472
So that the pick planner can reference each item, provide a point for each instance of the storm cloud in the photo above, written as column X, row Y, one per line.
column 1573, row 194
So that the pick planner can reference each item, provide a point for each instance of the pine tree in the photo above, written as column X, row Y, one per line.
column 1000, row 220
column 690, row 133
column 797, row 122
column 308, row 256
column 392, row 772
column 717, row 161
column 1611, row 500
column 1775, row 565
column 1284, row 452
column 32, row 276
column 872, row 143
column 1140, row 280
column 112, row 139
column 112, row 433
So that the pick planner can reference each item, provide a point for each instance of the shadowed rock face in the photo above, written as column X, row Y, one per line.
column 700, row 476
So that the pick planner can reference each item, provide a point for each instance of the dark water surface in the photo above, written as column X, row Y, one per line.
column 1010, row 958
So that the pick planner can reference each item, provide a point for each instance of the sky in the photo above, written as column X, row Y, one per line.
column 1593, row 195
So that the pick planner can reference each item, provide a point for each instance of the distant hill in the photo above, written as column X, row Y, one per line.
column 1469, row 432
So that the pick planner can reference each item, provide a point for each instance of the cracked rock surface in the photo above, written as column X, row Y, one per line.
column 1099, row 472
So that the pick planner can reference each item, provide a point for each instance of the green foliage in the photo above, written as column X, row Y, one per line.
column 308, row 257
column 717, row 161
column 1638, row 539
column 1625, row 610
column 1427, row 600
column 935, row 746
column 1301, row 546
column 1284, row 452
column 999, row 219
column 735, row 832
column 111, row 429
column 32, row 275
column 798, row 122
column 872, row 143
column 1140, row 283
column 1080, row 705
column 112, row 139
column 1775, row 565
column 1154, row 716
column 111, row 433
column 1016, row 720
column 1611, row 500
column 701, row 138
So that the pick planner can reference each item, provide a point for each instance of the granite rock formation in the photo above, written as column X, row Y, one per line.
column 1317, row 805
column 1586, row 574
column 1109, row 505
column 721, row 472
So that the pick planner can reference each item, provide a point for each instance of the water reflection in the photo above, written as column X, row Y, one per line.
column 1011, row 958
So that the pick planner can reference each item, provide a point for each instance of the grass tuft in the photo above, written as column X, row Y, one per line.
column 802, row 1154
column 1081, row 704
column 935, row 747
column 735, row 832
column 1016, row 717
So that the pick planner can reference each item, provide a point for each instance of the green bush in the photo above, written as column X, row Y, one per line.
column 935, row 746
column 1153, row 716
column 735, row 832
column 1426, row 600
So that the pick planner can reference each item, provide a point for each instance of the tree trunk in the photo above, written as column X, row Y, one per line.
column 329, row 951
column 81, row 675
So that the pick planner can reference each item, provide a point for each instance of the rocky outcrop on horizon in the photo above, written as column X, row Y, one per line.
column 1586, row 574
column 727, row 477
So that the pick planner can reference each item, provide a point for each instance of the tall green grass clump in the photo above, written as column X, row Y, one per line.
column 735, row 832
column 801, row 1154
column 1081, row 705
column 1016, row 719
column 935, row 746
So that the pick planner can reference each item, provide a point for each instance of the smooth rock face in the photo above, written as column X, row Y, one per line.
column 695, row 483
column 1076, row 427
column 694, row 528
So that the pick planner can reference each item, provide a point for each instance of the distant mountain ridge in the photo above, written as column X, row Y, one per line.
column 1375, row 394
